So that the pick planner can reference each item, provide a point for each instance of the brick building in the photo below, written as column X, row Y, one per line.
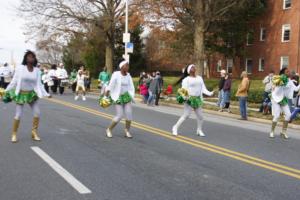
column 273, row 42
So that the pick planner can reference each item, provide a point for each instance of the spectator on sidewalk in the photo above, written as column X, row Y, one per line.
column 225, row 103
column 144, row 91
column 292, row 88
column 242, row 94
column 268, row 87
column 169, row 92
column 297, row 108
column 295, row 79
column 153, row 90
column 160, row 83
column 267, row 106
column 221, row 85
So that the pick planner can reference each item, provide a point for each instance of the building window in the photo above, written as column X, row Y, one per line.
column 249, row 65
column 287, row 4
column 284, row 61
column 219, row 66
column 261, row 66
column 262, row 34
column 250, row 38
column 286, row 33
column 229, row 65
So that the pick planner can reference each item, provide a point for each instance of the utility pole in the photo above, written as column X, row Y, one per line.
column 126, row 35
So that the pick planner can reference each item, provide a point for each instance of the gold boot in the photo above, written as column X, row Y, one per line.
column 127, row 129
column 34, row 132
column 15, row 130
column 110, row 128
column 273, row 129
column 283, row 134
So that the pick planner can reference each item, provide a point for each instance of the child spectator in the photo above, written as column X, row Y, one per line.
column 144, row 92
column 168, row 92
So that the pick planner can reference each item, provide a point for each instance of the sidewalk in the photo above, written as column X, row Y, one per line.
column 224, row 114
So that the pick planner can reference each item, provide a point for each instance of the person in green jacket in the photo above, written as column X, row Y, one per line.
column 103, row 80
column 73, row 76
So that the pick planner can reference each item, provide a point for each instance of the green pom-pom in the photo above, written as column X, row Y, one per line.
column 180, row 99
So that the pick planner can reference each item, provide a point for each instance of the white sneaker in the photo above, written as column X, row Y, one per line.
column 76, row 98
column 174, row 131
column 108, row 133
column 83, row 98
column 200, row 133
column 272, row 135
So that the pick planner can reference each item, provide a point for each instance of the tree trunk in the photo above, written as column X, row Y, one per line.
column 109, row 58
column 199, row 33
column 199, row 50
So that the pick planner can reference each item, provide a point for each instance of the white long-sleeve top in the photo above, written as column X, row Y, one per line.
column 119, row 85
column 195, row 86
column 61, row 73
column 46, row 78
column 52, row 73
column 25, row 80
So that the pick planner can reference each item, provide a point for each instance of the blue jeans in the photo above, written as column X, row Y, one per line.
column 295, row 113
column 220, row 97
column 243, row 107
column 290, row 103
column 225, row 99
column 151, row 98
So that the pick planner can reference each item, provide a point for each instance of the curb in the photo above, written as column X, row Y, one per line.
column 232, row 116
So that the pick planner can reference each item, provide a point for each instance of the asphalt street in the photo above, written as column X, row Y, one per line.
column 235, row 161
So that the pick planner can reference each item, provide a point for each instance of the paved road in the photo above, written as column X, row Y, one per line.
column 235, row 161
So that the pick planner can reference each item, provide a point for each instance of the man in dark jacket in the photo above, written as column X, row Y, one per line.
column 221, row 85
column 160, row 84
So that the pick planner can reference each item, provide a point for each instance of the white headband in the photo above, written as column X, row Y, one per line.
column 122, row 64
column 189, row 68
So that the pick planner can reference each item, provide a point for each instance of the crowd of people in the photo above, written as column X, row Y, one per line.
column 55, row 79
column 151, row 88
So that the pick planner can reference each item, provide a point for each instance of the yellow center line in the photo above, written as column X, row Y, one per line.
column 292, row 172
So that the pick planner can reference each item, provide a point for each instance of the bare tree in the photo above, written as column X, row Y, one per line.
column 58, row 20
column 197, row 15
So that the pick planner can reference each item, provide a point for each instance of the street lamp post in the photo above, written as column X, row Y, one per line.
column 126, row 35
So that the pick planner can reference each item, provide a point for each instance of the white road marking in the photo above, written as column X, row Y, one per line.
column 77, row 185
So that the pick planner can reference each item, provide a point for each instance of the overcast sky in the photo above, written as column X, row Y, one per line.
column 12, row 39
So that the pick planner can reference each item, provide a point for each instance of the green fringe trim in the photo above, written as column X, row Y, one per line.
column 284, row 102
column 195, row 102
column 21, row 98
column 124, row 99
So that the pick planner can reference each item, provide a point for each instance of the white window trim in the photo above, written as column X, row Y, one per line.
column 219, row 64
column 282, row 33
column 281, row 61
column 247, row 42
column 284, row 7
column 261, row 34
column 246, row 64
column 227, row 64
column 260, row 65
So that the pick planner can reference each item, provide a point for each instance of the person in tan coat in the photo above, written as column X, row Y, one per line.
column 242, row 94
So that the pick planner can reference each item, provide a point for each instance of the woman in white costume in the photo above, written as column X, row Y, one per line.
column 121, row 90
column 26, row 88
column 80, row 85
column 195, row 87
column 280, row 93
